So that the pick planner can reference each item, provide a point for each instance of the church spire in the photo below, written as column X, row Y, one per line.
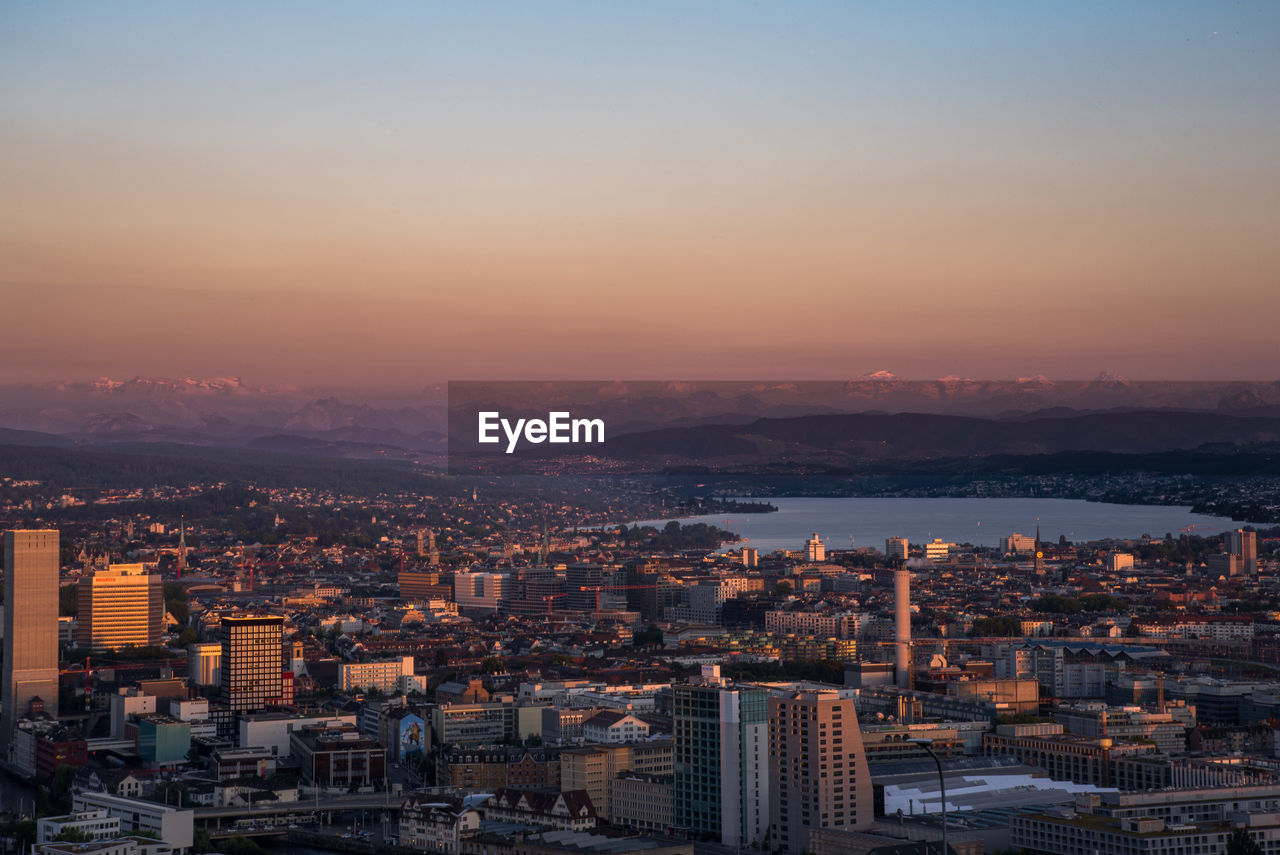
column 182, row 545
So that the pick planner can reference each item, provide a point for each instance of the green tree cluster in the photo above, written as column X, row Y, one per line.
column 996, row 627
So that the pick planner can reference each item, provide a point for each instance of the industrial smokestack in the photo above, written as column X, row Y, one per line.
column 902, row 627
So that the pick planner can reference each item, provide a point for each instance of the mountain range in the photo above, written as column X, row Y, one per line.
column 873, row 416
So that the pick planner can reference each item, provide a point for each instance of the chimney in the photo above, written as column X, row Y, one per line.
column 902, row 627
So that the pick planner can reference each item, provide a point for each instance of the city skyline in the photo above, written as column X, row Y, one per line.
column 421, row 193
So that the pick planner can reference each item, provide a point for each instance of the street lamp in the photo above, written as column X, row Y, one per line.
column 927, row 745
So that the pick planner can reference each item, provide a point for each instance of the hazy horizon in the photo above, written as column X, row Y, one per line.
column 399, row 195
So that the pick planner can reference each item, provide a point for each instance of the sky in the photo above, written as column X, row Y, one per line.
column 404, row 193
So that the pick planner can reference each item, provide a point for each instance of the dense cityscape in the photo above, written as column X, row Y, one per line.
column 639, row 428
column 472, row 675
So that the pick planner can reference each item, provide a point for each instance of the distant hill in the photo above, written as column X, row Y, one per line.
column 860, row 440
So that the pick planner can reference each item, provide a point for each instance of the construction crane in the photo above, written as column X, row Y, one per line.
column 1186, row 534
column 253, row 563
column 89, row 670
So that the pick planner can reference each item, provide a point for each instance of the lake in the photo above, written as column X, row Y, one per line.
column 981, row 522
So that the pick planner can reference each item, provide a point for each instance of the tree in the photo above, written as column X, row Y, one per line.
column 1240, row 842
column 492, row 665
column 783, row 588
column 22, row 832
column 1005, row 627
column 442, row 657
column 200, row 841
column 73, row 835
column 651, row 637
column 60, row 787
column 176, row 601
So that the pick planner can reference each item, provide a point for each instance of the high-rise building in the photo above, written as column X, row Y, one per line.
column 1245, row 545
column 120, row 606
column 583, row 584
column 480, row 592
column 721, row 785
column 30, row 625
column 896, row 548
column 815, row 550
column 252, row 662
column 424, row 585
column 1017, row 543
column 817, row 767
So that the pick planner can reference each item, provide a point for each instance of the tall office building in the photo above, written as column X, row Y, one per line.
column 721, row 785
column 120, row 606
column 584, row 587
column 815, row 550
column 30, row 625
column 252, row 662
column 817, row 766
column 896, row 548
column 1245, row 545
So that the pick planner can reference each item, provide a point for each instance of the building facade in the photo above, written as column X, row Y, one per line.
column 252, row 662
column 817, row 766
column 30, row 625
column 721, row 786
column 120, row 606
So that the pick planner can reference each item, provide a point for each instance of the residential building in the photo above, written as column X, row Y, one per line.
column 822, row 624
column 614, row 726
column 564, row 725
column 817, row 766
column 570, row 810
column 385, row 675
column 435, row 824
column 595, row 768
column 721, row 785
column 489, row 767
column 642, row 802
column 895, row 548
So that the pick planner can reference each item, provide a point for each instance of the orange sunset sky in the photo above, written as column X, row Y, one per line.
column 396, row 194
